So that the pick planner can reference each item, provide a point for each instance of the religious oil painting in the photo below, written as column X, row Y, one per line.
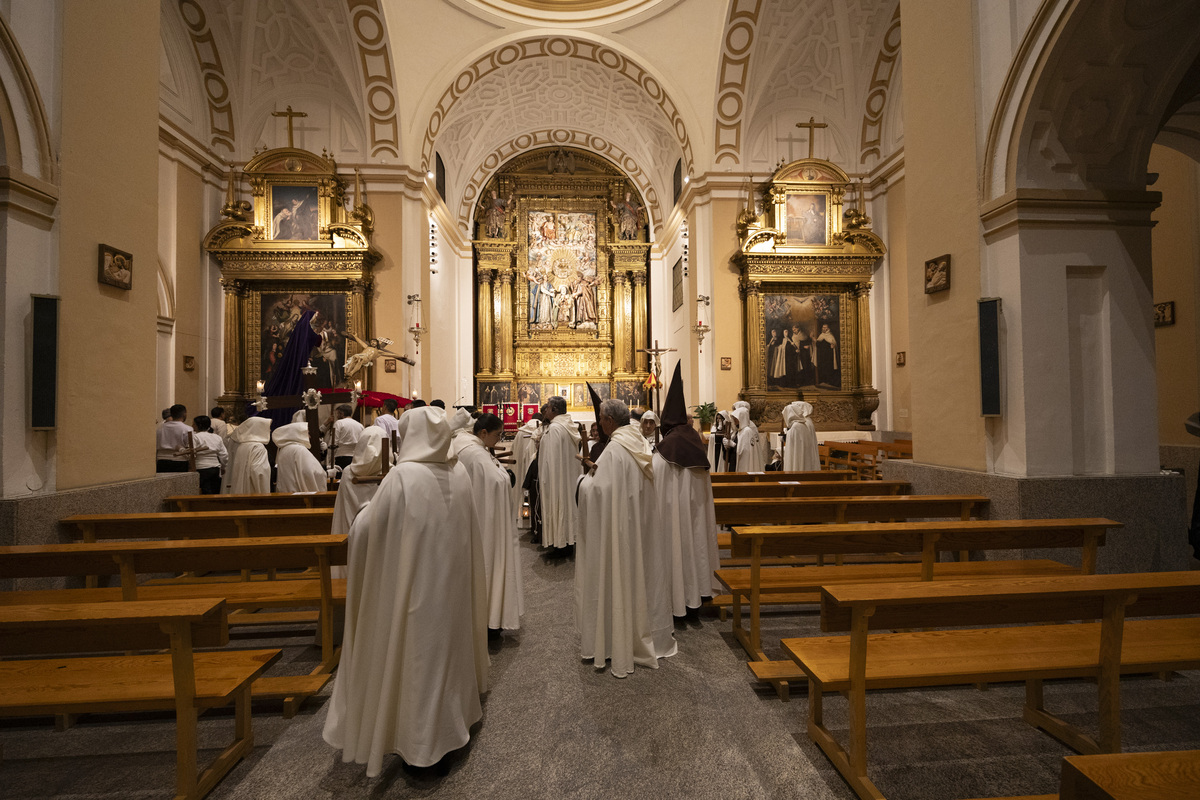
column 937, row 274
column 115, row 267
column 294, row 212
column 802, row 333
column 278, row 314
column 528, row 393
column 631, row 393
column 494, row 392
column 1164, row 314
column 807, row 219
column 579, row 396
column 562, row 271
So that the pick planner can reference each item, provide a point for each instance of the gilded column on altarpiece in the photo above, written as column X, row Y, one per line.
column 862, row 296
column 360, row 295
column 622, row 337
column 235, row 346
column 484, row 321
column 751, row 292
column 504, row 331
column 641, row 360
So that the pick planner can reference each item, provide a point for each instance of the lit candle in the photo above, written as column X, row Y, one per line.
column 261, row 385
column 358, row 386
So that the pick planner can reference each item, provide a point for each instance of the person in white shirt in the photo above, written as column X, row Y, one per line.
column 219, row 426
column 387, row 420
column 211, row 455
column 346, row 433
column 173, row 437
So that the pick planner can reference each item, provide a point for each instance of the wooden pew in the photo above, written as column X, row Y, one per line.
column 776, row 477
column 201, row 524
column 759, row 584
column 249, row 502
column 809, row 488
column 179, row 679
column 131, row 559
column 1100, row 650
column 1172, row 775
column 798, row 510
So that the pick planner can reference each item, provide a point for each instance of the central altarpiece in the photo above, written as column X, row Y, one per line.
column 560, row 265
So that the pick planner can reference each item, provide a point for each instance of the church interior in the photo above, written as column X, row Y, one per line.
column 972, row 225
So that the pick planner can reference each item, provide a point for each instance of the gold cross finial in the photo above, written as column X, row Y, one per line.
column 290, row 115
column 812, row 125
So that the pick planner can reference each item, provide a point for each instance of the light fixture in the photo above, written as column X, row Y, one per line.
column 433, row 246
column 429, row 175
column 415, row 329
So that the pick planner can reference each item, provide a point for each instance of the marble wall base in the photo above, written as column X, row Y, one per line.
column 34, row 519
column 1152, row 508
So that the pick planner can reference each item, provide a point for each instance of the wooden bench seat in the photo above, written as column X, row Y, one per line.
column 201, row 524
column 131, row 559
column 1172, row 775
column 1101, row 650
column 884, row 508
column 180, row 680
column 809, row 488
column 250, row 502
column 775, row 477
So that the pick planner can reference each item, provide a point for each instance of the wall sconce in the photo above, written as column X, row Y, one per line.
column 701, row 330
column 415, row 329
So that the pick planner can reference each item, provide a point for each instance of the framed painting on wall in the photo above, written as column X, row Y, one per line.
column 277, row 314
column 807, row 219
column 802, row 338
column 294, row 212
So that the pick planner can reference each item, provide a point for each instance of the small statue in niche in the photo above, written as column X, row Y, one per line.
column 629, row 218
column 495, row 217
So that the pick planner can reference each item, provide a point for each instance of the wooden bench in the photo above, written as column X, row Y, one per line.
column 809, row 488
column 1173, row 775
column 250, row 502
column 179, row 679
column 799, row 510
column 201, row 524
column 131, row 559
column 1032, row 653
column 776, row 477
column 790, row 585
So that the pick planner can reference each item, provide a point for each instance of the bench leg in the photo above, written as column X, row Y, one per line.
column 243, row 743
column 1035, row 714
column 821, row 736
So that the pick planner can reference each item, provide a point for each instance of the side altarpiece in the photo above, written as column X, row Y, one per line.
column 806, row 268
column 294, row 247
column 561, row 246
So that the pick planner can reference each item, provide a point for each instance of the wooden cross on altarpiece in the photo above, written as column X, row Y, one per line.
column 656, row 354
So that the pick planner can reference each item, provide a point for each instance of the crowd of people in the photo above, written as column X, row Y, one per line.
column 434, row 507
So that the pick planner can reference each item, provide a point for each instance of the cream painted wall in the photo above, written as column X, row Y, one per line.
column 1176, row 248
column 728, row 325
column 942, row 171
column 901, row 386
column 391, row 313
column 190, row 332
column 109, row 163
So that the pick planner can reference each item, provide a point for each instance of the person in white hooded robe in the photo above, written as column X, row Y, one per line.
column 414, row 656
column 747, row 443
column 763, row 446
column 800, row 445
column 558, row 472
column 524, row 449
column 684, row 487
column 353, row 497
column 250, row 470
column 297, row 470
column 622, row 560
column 491, row 491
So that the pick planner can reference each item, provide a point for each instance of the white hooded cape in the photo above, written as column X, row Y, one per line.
column 622, row 561
column 296, row 468
column 558, row 472
column 492, row 494
column 523, row 451
column 414, row 657
column 353, row 497
column 750, row 447
column 712, row 447
column 800, row 449
column 689, row 518
column 250, row 470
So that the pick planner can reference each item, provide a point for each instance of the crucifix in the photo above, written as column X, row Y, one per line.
column 656, row 354
column 290, row 116
column 812, row 126
column 791, row 140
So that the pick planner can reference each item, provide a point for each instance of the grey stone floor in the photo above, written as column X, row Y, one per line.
column 553, row 727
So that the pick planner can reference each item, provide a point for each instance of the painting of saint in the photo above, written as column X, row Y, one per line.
column 806, row 219
column 294, row 212
column 279, row 313
column 562, row 273
column 801, row 334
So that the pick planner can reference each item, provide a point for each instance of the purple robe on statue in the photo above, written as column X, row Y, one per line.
column 287, row 378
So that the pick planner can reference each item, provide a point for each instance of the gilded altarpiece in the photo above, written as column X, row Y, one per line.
column 294, row 246
column 806, row 267
column 560, row 265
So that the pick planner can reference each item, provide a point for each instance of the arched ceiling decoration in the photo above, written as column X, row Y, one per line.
column 555, row 137
column 785, row 60
column 876, row 104
column 328, row 58
column 1096, row 99
column 574, row 12
column 551, row 83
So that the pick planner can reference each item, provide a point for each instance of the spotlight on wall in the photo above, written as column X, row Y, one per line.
column 433, row 246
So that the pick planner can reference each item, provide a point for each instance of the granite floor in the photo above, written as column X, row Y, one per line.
column 554, row 727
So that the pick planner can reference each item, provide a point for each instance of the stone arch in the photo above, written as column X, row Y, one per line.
column 600, row 54
column 26, row 130
column 558, row 137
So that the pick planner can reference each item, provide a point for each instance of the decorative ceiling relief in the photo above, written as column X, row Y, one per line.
column 732, row 76
column 877, row 92
column 370, row 35
column 212, row 73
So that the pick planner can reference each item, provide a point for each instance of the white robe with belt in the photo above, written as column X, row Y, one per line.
column 558, row 472
column 686, row 498
column 623, row 561
column 414, row 656
column 492, row 494
column 800, row 448
column 750, row 457
column 297, row 470
column 523, row 451
column 250, row 470
column 353, row 497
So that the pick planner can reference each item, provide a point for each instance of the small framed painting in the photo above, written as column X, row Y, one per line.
column 116, row 267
